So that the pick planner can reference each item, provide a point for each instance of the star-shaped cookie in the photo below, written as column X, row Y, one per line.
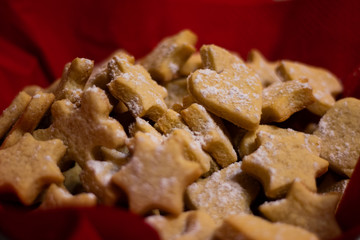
column 27, row 167
column 165, row 61
column 133, row 85
column 86, row 128
column 325, row 85
column 226, row 192
column 283, row 156
column 264, row 68
column 283, row 99
column 306, row 209
column 157, row 175
column 73, row 79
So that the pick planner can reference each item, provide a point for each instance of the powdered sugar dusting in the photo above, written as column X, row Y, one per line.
column 103, row 170
column 220, row 194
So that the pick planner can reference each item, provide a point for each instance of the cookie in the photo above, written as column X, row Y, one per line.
column 283, row 156
column 29, row 120
column 283, row 99
column 28, row 166
column 192, row 64
column 304, row 208
column 59, row 197
column 248, row 143
column 325, row 85
column 246, row 226
column 212, row 138
column 10, row 115
column 165, row 61
column 74, row 79
column 96, row 178
column 226, row 192
column 234, row 94
column 169, row 121
column 192, row 149
column 217, row 58
column 176, row 89
column 265, row 69
column 191, row 225
column 339, row 130
column 32, row 90
column 100, row 76
column 118, row 156
column 133, row 85
column 84, row 129
column 158, row 169
column 141, row 125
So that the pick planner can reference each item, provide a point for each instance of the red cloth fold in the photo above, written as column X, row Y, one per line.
column 75, row 224
column 37, row 38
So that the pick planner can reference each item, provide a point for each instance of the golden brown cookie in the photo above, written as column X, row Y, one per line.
column 339, row 129
column 165, row 61
column 32, row 90
column 11, row 114
column 74, row 79
column 84, row 129
column 141, row 125
column 100, row 76
column 325, row 85
column 156, row 176
column 27, row 167
column 176, row 89
column 191, row 225
column 133, row 85
column 233, row 94
column 192, row 149
column 282, row 99
column 169, row 121
column 251, row 227
column 96, row 178
column 283, row 156
column 118, row 156
column 265, row 69
column 212, row 138
column 248, row 143
column 59, row 197
column 192, row 64
column 226, row 192
column 304, row 208
column 217, row 58
column 29, row 120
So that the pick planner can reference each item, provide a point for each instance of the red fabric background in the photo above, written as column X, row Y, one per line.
column 38, row 37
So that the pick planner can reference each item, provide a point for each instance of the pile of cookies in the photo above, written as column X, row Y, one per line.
column 203, row 144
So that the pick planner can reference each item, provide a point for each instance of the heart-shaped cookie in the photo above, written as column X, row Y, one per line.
column 234, row 93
